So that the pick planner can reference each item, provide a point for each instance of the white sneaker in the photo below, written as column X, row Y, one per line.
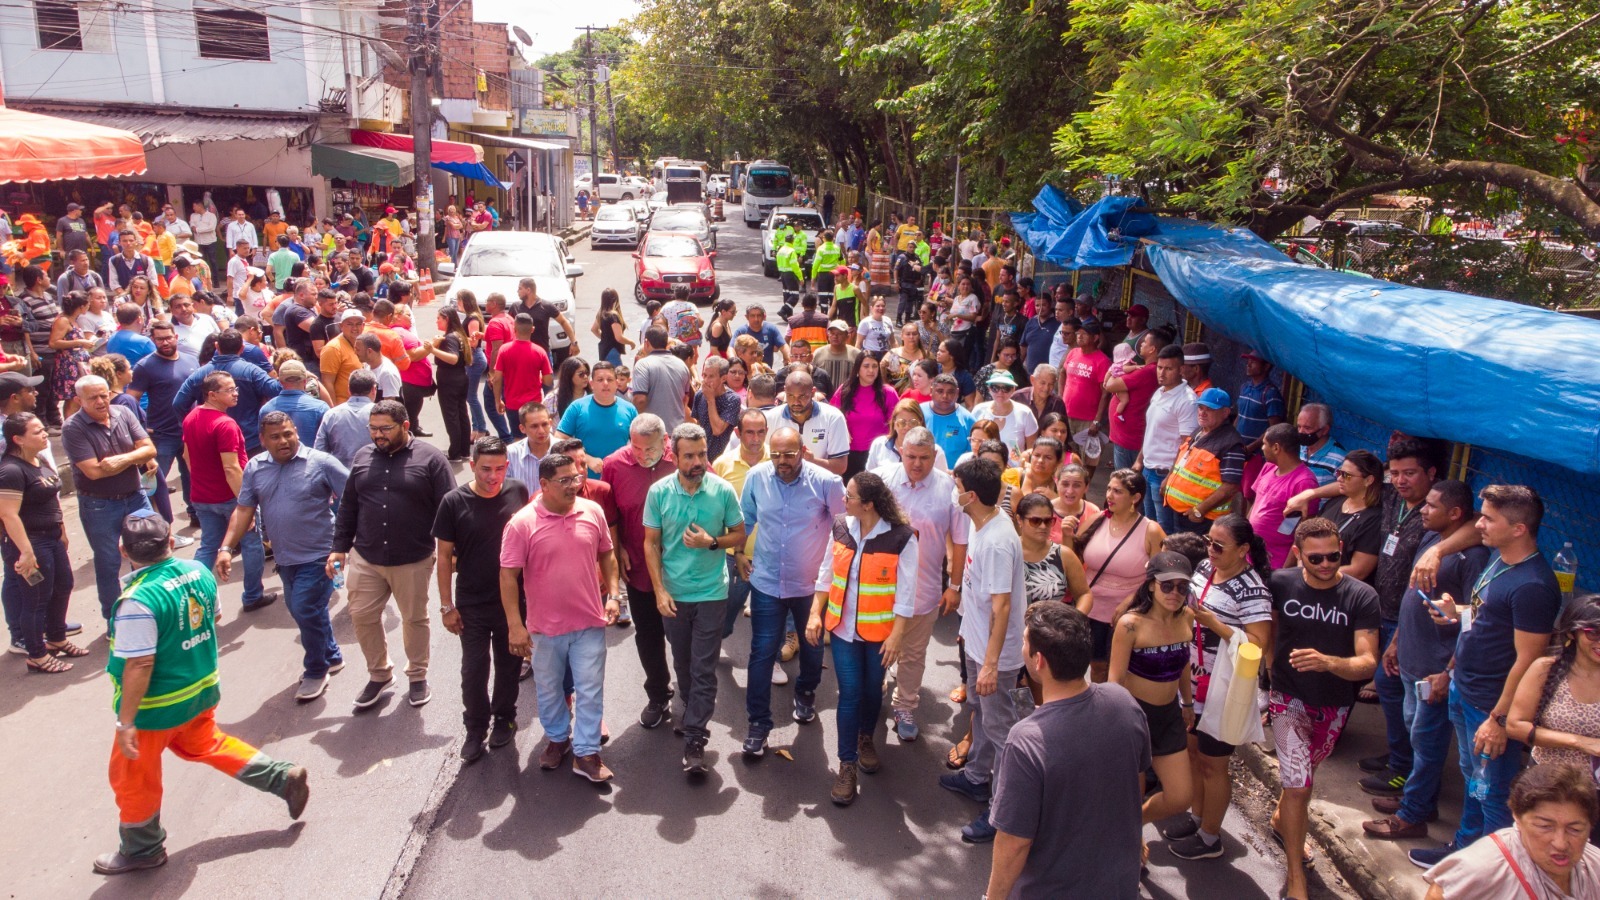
column 779, row 676
column 180, row 541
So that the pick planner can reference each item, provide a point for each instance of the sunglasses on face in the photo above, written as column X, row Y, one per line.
column 1217, row 546
column 1320, row 559
column 1043, row 521
column 1179, row 586
column 1592, row 632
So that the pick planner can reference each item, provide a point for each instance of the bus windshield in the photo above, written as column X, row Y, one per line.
column 770, row 183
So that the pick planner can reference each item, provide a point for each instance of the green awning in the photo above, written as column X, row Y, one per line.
column 368, row 165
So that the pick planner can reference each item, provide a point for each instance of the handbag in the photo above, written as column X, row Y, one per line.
column 1218, row 689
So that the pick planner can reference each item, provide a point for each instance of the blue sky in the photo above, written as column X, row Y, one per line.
column 553, row 24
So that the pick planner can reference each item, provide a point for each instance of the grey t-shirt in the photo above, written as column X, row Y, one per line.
column 85, row 439
column 665, row 380
column 1068, row 780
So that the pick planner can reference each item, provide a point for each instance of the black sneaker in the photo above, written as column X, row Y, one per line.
column 694, row 756
column 1374, row 763
column 1387, row 783
column 419, row 693
column 755, row 745
column 369, row 695
column 266, row 600
column 1195, row 847
column 1182, row 829
column 654, row 714
column 502, row 733
column 74, row 628
column 472, row 748
column 805, row 706
column 1429, row 857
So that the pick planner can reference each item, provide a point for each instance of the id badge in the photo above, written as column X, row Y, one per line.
column 1391, row 544
column 1466, row 615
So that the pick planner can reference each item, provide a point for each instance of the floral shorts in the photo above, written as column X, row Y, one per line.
column 1305, row 736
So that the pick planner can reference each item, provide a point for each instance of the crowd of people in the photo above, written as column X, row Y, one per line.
column 845, row 484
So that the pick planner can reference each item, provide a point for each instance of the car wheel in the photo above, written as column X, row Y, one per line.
column 638, row 293
column 716, row 294
column 750, row 224
column 769, row 268
column 627, row 196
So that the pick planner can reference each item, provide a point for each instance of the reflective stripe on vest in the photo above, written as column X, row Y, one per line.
column 875, row 581
column 1196, row 475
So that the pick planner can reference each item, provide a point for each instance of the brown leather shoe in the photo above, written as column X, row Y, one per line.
column 1395, row 828
column 554, row 753
column 592, row 768
column 844, row 787
column 866, row 754
column 1391, row 805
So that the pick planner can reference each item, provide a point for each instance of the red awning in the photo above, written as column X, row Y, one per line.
column 46, row 148
column 443, row 151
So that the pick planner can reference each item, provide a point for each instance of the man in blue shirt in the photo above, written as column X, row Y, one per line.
column 344, row 428
column 600, row 420
column 255, row 387
column 949, row 421
column 757, row 326
column 129, row 339
column 1323, row 455
column 1040, row 330
column 790, row 504
column 156, row 380
column 306, row 410
column 1260, row 403
column 293, row 487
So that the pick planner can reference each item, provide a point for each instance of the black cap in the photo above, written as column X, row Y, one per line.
column 1168, row 564
column 12, row 383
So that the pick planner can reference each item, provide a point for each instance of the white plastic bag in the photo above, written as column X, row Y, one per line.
column 1217, row 694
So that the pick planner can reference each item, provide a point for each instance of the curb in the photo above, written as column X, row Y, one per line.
column 1352, row 864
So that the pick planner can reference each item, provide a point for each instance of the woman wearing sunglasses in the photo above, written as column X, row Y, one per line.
column 1557, row 706
column 1358, row 512
column 1150, row 657
column 1229, row 594
column 1052, row 572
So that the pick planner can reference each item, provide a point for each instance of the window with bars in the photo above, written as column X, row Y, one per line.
column 59, row 25
column 232, row 34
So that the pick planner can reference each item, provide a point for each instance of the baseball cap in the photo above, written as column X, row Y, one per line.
column 1252, row 354
column 1003, row 378
column 349, row 314
column 1214, row 398
column 293, row 370
column 1005, row 242
column 73, row 206
column 1167, row 564
column 1092, row 326
column 388, row 209
column 12, row 383
column 1139, row 310
column 839, row 325
column 145, row 534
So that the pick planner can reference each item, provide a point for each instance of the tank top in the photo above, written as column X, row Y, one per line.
column 1125, row 572
column 1047, row 578
column 1566, row 713
column 608, row 341
column 1161, row 664
column 719, row 345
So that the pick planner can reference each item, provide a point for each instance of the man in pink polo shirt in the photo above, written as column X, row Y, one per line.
column 557, row 536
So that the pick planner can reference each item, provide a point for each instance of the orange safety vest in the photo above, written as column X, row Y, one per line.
column 1196, row 475
column 875, row 581
column 815, row 334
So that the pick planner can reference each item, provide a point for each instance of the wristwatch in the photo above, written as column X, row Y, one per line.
column 446, row 610
column 1499, row 720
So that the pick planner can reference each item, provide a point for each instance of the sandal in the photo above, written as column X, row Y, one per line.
column 958, row 753
column 1368, row 693
column 49, row 665
column 959, row 694
column 1277, row 838
column 66, row 648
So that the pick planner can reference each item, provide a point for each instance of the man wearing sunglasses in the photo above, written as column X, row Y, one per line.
column 1326, row 643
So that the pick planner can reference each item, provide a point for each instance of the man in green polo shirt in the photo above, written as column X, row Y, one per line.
column 165, row 690
column 690, row 521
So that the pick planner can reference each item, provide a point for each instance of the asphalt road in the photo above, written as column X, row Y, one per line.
column 394, row 813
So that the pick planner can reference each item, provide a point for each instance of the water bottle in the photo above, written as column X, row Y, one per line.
column 338, row 576
column 1478, row 784
column 1566, row 568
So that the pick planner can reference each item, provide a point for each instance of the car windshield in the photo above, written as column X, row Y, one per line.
column 613, row 214
column 508, row 262
column 804, row 222
column 673, row 245
column 677, row 221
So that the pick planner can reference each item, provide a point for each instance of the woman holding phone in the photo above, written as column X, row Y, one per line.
column 35, row 545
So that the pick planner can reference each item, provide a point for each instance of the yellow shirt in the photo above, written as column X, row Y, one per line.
column 906, row 237
column 166, row 245
column 732, row 468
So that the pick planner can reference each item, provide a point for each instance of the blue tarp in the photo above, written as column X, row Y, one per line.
column 476, row 171
column 1055, row 210
column 1432, row 363
column 1085, row 240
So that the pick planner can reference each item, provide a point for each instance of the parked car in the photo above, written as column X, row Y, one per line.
column 613, row 187
column 615, row 224
column 718, row 185
column 804, row 218
column 495, row 261
column 687, row 219
column 666, row 259
column 658, row 200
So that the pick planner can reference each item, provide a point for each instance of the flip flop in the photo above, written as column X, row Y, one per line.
column 1277, row 838
column 958, row 754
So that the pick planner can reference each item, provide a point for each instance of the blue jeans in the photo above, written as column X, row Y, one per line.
column 738, row 595
column 480, row 364
column 306, row 591
column 769, row 617
column 584, row 651
column 1155, row 507
column 1429, row 725
column 858, row 665
column 1391, row 699
column 614, row 356
column 213, row 528
column 493, row 415
column 41, row 609
column 102, row 525
column 167, row 450
column 454, row 245
column 1122, row 457
column 1480, row 817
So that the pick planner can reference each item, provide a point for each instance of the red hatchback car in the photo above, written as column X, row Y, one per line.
column 666, row 259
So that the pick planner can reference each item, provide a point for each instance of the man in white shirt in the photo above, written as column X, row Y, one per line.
column 203, row 222
column 176, row 226
column 370, row 349
column 824, row 436
column 1171, row 416
column 239, row 269
column 240, row 228
column 192, row 327
column 927, row 496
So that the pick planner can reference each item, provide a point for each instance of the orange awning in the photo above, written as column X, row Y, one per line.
column 46, row 148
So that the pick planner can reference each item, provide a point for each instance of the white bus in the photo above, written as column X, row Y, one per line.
column 767, row 185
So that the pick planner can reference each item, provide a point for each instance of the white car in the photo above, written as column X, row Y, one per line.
column 687, row 219
column 657, row 200
column 717, row 186
column 617, row 224
column 496, row 261
column 803, row 218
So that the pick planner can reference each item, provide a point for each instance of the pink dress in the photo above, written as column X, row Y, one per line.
column 1122, row 575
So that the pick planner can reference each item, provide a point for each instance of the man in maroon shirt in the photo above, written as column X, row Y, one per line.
column 630, row 472
column 214, row 448
column 521, row 372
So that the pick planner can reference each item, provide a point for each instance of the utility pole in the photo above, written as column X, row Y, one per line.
column 611, row 109
column 423, row 33
column 594, row 135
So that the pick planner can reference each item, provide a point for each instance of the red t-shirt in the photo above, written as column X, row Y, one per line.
column 208, row 433
column 497, row 331
column 1085, row 377
column 1128, row 410
column 522, row 366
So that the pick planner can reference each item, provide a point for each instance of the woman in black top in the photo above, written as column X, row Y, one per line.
column 37, row 571
column 1358, row 513
column 719, row 334
column 572, row 385
column 450, row 348
column 610, row 329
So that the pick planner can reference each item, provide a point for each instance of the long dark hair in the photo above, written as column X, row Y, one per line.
column 15, row 427
column 454, row 325
column 1582, row 612
column 876, row 494
column 852, row 385
column 1370, row 466
column 565, row 388
column 1239, row 528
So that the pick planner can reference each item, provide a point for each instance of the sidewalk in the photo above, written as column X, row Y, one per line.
column 1377, row 869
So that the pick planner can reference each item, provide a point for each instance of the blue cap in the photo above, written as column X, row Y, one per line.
column 1215, row 398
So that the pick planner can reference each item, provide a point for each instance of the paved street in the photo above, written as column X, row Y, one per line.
column 392, row 811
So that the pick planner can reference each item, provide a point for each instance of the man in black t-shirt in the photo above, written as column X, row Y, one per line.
column 468, row 527
column 543, row 312
column 1326, row 642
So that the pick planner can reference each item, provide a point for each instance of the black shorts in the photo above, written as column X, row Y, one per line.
column 1100, row 640
column 1208, row 745
column 1167, row 734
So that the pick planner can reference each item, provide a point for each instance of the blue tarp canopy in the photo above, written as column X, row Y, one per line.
column 1434, row 363
column 1086, row 240
column 1055, row 211
column 476, row 171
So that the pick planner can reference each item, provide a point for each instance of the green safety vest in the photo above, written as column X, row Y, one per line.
column 789, row 261
column 781, row 236
column 924, row 251
column 182, row 595
column 827, row 259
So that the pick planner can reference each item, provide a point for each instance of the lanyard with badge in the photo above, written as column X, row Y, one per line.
column 1391, row 544
column 1470, row 612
